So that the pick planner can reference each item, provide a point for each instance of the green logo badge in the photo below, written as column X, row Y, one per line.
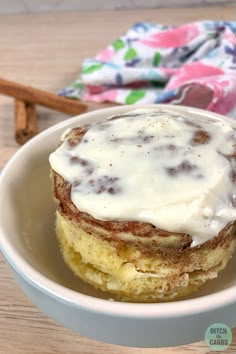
column 218, row 336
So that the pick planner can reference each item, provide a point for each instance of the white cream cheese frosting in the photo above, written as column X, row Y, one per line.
column 156, row 166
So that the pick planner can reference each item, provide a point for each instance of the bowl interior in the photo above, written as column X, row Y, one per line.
column 27, row 212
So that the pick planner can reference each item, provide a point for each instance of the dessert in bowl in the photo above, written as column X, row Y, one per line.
column 145, row 202
column 29, row 245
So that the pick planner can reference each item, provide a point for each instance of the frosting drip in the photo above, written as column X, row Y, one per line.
column 155, row 166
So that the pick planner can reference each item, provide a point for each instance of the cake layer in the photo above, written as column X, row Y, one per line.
column 121, row 269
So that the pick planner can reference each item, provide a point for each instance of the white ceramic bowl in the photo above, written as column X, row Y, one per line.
column 27, row 241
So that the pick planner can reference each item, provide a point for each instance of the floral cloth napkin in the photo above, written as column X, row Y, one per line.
column 193, row 64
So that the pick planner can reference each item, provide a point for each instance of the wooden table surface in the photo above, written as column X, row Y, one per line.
column 46, row 50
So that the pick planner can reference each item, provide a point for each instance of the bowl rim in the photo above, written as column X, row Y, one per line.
column 172, row 309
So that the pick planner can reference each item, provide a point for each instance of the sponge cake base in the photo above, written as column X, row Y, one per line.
column 132, row 276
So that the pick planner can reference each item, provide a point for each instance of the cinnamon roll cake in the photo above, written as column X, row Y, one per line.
column 146, row 202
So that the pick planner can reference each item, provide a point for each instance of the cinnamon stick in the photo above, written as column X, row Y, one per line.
column 44, row 98
column 25, row 121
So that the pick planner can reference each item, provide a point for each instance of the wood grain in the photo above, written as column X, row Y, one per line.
column 16, row 6
column 45, row 51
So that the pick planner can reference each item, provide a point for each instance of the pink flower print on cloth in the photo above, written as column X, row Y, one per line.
column 172, row 38
column 105, row 55
column 192, row 71
column 224, row 92
column 109, row 96
column 192, row 64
